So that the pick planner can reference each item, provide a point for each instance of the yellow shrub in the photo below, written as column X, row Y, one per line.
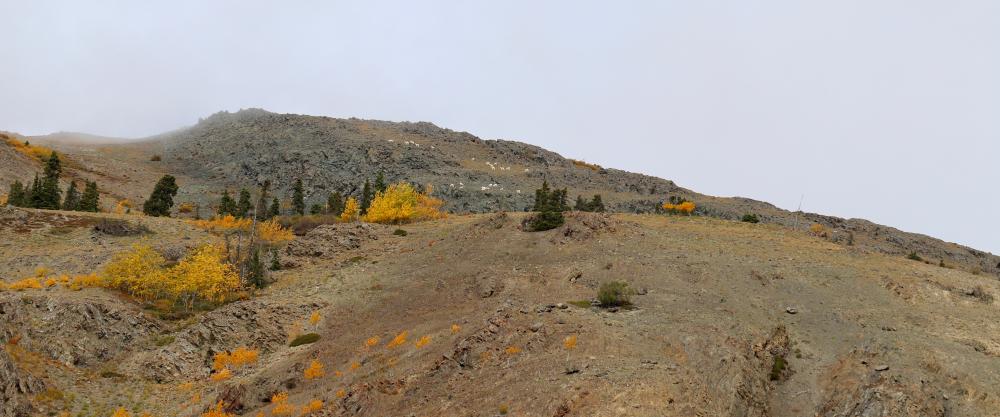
column 423, row 341
column 401, row 203
column 203, row 274
column 217, row 411
column 25, row 284
column 137, row 272
column 121, row 412
column 40, row 153
column 570, row 342
column 280, row 405
column 371, row 342
column 41, row 272
column 314, row 318
column 455, row 328
column 222, row 375
column 123, row 206
column 50, row 282
column 818, row 230
column 315, row 370
column 270, row 230
column 312, row 407
column 185, row 208
column 686, row 207
column 83, row 281
column 512, row 350
column 237, row 358
column 351, row 210
column 399, row 340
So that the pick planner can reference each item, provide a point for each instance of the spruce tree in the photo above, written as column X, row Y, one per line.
column 34, row 195
column 16, row 195
column 275, row 209
column 162, row 199
column 255, row 270
column 335, row 203
column 298, row 199
column 261, row 208
column 227, row 207
column 49, row 193
column 72, row 200
column 596, row 204
column 541, row 197
column 581, row 204
column 90, row 201
column 243, row 207
column 380, row 184
column 366, row 197
column 275, row 262
column 316, row 208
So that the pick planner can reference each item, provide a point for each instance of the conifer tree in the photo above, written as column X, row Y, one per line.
column 380, row 185
column 316, row 208
column 549, row 206
column 596, row 204
column 16, row 195
column 90, row 201
column 243, row 207
column 275, row 262
column 275, row 209
column 335, row 203
column 366, row 197
column 227, row 207
column 581, row 204
column 298, row 199
column 255, row 270
column 72, row 200
column 541, row 197
column 261, row 208
column 48, row 192
column 162, row 199
column 34, row 195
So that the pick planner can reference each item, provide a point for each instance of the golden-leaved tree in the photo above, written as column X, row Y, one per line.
column 351, row 210
column 203, row 274
column 138, row 272
column 401, row 203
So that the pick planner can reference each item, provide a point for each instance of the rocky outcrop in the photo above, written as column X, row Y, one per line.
column 331, row 239
column 16, row 388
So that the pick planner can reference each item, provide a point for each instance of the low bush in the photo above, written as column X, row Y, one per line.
column 615, row 294
column 117, row 227
column 750, row 218
column 304, row 339
column 914, row 257
column 777, row 368
column 156, row 158
column 400, row 232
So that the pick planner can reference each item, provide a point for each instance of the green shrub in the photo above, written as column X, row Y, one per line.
column 914, row 257
column 164, row 340
column 400, row 232
column 750, row 218
column 304, row 339
column 777, row 368
column 615, row 294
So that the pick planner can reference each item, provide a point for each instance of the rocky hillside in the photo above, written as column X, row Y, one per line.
column 730, row 319
column 243, row 149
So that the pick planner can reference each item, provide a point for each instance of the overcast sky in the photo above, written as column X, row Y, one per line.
column 885, row 110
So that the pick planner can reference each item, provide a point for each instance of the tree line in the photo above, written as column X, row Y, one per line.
column 44, row 191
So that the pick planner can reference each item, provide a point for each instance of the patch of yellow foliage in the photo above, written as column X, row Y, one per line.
column 584, row 164
column 222, row 375
column 512, row 350
column 123, row 206
column 455, row 328
column 569, row 342
column 351, row 210
column 25, row 284
column 401, row 203
column 203, row 274
column 371, row 342
column 399, row 340
column 315, row 370
column 280, row 405
column 217, row 411
column 313, row 406
column 40, row 153
column 686, row 207
column 270, row 230
column 423, row 341
column 818, row 230
column 239, row 357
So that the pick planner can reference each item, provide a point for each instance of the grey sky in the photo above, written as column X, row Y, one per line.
column 886, row 110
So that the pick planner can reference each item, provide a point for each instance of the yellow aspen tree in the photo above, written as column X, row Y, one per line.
column 351, row 210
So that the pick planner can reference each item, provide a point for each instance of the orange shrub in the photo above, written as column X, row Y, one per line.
column 399, row 340
column 455, row 328
column 512, row 350
column 222, row 375
column 40, row 153
column 280, row 406
column 371, row 342
column 217, row 411
column 312, row 407
column 423, row 341
column 239, row 357
column 315, row 370
column 570, row 342
column 25, row 284
column 818, row 230
column 686, row 208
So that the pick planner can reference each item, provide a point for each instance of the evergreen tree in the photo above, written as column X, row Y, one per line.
column 380, row 184
column 72, row 200
column 335, row 203
column 255, row 270
column 581, row 204
column 48, row 191
column 90, row 201
column 34, row 196
column 316, row 208
column 596, row 204
column 275, row 262
column 243, row 207
column 261, row 208
column 227, row 207
column 549, row 206
column 366, row 197
column 541, row 197
column 275, row 209
column 16, row 195
column 162, row 198
column 298, row 199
